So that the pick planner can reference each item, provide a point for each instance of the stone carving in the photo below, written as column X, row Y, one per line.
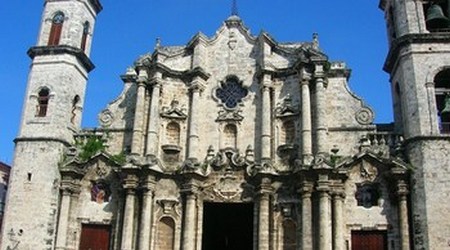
column 174, row 111
column 226, row 115
column 364, row 116
column 101, row 170
column 286, row 108
column 230, row 158
column 367, row 171
column 232, row 41
column 106, row 118
column 167, row 205
column 228, row 187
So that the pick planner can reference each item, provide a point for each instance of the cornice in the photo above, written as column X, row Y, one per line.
column 60, row 50
column 409, row 39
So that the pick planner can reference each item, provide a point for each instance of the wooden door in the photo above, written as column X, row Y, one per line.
column 95, row 237
column 369, row 240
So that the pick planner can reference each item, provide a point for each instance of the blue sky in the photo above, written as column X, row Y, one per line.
column 353, row 32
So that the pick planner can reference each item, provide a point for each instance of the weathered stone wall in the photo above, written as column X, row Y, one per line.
column 33, row 197
column 429, row 157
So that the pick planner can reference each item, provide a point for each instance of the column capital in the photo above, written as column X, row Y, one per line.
column 319, row 71
column 305, row 81
column 130, row 183
column 306, row 188
column 190, row 189
column 338, row 191
column 323, row 186
column 402, row 189
column 197, row 84
column 148, row 184
column 69, row 187
column 155, row 82
column 141, row 84
column 142, row 76
column 265, row 88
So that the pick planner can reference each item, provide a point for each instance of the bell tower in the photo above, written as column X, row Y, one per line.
column 419, row 66
column 51, row 115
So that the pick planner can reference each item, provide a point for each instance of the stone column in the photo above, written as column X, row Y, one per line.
column 153, row 121
column 325, row 213
column 190, row 218
column 64, row 214
column 138, row 126
column 264, row 214
column 130, row 184
column 320, row 111
column 146, row 214
column 306, row 240
column 338, row 219
column 193, row 138
column 434, row 123
column 266, row 127
column 199, row 223
column 402, row 192
column 306, row 151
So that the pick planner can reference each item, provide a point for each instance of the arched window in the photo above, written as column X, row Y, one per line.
column 43, row 98
column 75, row 102
column 442, row 91
column 173, row 133
column 55, row 31
column 165, row 234
column 288, row 133
column 86, row 28
column 230, row 136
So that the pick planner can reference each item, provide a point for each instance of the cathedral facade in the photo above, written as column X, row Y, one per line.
column 235, row 141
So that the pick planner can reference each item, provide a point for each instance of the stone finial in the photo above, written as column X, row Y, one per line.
column 316, row 41
column 158, row 43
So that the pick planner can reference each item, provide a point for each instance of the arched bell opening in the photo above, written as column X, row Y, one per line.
column 442, row 91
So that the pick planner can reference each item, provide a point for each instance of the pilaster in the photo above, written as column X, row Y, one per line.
column 323, row 188
column 402, row 194
column 320, row 111
column 266, row 115
column 264, row 194
column 197, row 86
column 129, row 185
column 68, row 189
column 148, row 187
column 306, row 148
column 305, row 191
column 190, row 191
column 338, row 195
column 153, row 120
column 138, row 126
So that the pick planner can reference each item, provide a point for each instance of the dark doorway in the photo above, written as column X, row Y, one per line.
column 95, row 237
column 227, row 226
column 369, row 240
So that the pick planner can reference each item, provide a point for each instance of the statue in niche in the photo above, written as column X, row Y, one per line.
column 100, row 192
column 367, row 195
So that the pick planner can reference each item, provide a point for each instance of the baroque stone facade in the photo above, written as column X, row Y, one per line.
column 233, row 141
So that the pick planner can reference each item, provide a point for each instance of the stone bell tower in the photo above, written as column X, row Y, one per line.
column 51, row 114
column 419, row 65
